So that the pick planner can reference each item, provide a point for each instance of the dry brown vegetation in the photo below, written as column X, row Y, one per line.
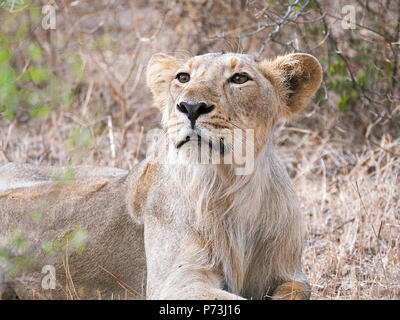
column 91, row 105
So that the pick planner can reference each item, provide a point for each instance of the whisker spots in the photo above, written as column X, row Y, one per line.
column 215, row 125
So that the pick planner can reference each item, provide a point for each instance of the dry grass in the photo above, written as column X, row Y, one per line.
column 351, row 204
column 348, row 188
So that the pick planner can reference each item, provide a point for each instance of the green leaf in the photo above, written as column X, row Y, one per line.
column 4, row 258
column 9, row 113
column 341, row 68
column 35, row 52
column 312, row 5
column 38, row 75
column 42, row 112
column 4, row 55
column 8, row 91
column 78, row 239
column 343, row 102
column 361, row 80
column 50, row 246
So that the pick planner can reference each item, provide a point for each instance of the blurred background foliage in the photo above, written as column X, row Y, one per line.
column 29, row 80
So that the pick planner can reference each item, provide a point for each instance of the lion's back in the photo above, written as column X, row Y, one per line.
column 46, row 212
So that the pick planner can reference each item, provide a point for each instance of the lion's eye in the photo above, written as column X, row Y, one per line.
column 183, row 77
column 239, row 78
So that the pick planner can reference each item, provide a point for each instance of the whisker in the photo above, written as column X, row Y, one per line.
column 171, row 130
column 214, row 125
column 235, row 125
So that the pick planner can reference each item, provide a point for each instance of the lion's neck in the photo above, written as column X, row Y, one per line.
column 236, row 213
column 217, row 191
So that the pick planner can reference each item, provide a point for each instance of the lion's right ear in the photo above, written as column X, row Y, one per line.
column 160, row 72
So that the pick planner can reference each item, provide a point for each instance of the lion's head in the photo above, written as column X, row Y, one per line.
column 206, row 97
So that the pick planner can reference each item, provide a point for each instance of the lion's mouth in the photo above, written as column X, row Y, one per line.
column 220, row 146
column 187, row 139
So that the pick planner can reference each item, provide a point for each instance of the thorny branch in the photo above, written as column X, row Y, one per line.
column 290, row 16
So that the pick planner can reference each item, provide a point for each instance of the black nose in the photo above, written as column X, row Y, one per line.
column 194, row 110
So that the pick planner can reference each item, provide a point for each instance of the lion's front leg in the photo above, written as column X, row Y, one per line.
column 292, row 290
column 178, row 265
column 200, row 289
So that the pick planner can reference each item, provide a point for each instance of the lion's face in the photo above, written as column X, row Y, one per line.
column 206, row 98
column 213, row 94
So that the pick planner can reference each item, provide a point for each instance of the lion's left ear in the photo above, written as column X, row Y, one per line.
column 296, row 78
column 160, row 72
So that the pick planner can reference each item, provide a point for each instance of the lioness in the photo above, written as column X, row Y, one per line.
column 72, row 219
column 211, row 231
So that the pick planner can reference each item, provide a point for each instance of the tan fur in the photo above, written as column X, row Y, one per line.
column 291, row 291
column 142, row 189
column 234, row 62
column 301, row 71
column 64, row 200
column 208, row 233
